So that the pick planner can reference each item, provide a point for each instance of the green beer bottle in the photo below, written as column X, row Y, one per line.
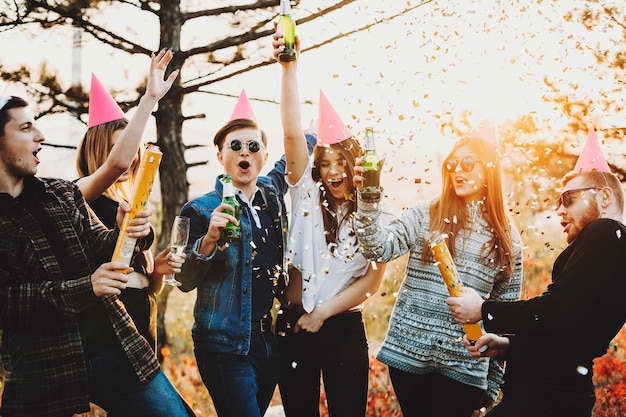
column 231, row 232
column 287, row 27
column 371, row 184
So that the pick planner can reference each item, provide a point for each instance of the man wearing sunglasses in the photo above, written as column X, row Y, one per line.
column 234, row 343
column 550, row 341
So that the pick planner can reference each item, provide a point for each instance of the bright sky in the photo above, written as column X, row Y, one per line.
column 404, row 77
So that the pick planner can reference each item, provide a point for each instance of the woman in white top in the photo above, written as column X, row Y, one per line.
column 320, row 326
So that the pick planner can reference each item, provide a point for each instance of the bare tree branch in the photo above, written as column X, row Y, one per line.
column 259, row 4
column 252, row 35
column 192, row 88
column 65, row 14
column 199, row 163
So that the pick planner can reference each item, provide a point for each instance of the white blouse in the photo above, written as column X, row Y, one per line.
column 324, row 273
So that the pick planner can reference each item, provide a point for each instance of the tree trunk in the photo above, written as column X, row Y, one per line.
column 173, row 169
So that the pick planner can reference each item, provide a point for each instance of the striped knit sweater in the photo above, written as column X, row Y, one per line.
column 422, row 336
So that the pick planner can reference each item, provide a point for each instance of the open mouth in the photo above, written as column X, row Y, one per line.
column 463, row 181
column 460, row 180
column 244, row 164
column 335, row 184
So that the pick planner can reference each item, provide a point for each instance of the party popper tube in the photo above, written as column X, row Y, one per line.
column 450, row 275
column 146, row 173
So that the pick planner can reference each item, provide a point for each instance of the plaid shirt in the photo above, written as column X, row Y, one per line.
column 41, row 352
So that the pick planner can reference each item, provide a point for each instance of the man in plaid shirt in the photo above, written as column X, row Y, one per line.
column 66, row 338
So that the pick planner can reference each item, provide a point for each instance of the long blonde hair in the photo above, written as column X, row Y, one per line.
column 449, row 206
column 94, row 150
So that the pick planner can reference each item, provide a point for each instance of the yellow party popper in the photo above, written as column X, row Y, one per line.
column 450, row 275
column 146, row 174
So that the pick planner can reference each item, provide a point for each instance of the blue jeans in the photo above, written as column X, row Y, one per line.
column 114, row 386
column 242, row 385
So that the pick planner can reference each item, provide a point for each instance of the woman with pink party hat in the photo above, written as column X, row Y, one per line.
column 321, row 326
column 107, row 162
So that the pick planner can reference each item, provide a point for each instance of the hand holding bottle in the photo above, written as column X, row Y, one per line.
column 358, row 179
column 367, row 170
column 224, row 222
column 232, row 230
column 371, row 165
column 279, row 45
column 286, row 26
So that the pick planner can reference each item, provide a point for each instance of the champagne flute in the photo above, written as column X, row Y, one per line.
column 178, row 243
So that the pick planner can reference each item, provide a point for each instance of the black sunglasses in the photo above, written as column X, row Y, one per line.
column 467, row 164
column 236, row 145
column 566, row 197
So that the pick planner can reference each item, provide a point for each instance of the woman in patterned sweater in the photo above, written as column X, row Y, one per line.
column 430, row 369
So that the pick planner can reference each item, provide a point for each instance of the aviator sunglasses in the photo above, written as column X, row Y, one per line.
column 467, row 164
column 565, row 198
column 236, row 145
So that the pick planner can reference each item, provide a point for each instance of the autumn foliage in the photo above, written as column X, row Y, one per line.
column 609, row 377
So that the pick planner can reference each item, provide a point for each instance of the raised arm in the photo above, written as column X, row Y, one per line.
column 295, row 143
column 126, row 147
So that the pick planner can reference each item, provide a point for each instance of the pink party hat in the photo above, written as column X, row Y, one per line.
column 243, row 109
column 330, row 128
column 591, row 157
column 102, row 107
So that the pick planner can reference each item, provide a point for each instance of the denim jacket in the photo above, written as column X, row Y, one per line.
column 223, row 279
